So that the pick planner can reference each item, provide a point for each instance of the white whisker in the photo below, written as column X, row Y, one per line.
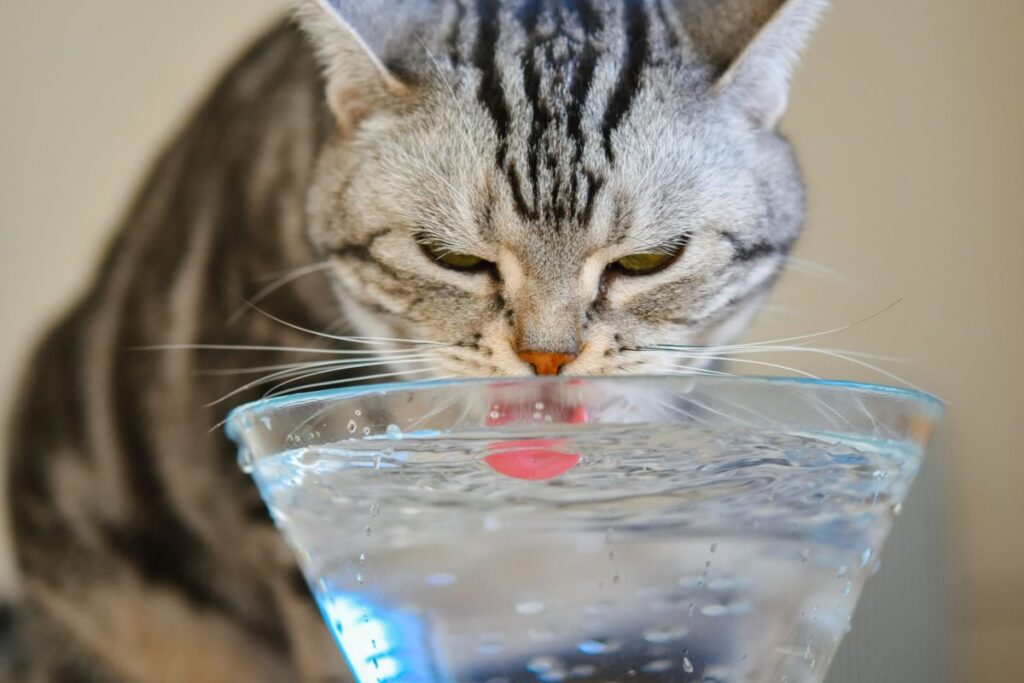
column 282, row 281
column 326, row 371
column 378, row 341
column 316, row 385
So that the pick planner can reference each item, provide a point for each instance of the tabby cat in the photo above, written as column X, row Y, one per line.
column 531, row 185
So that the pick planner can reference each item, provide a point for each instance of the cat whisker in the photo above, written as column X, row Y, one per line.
column 815, row 269
column 257, row 348
column 373, row 341
column 459, row 107
column 316, row 385
column 302, row 370
column 803, row 337
column 728, row 353
column 299, row 377
column 777, row 366
column 288, row 366
column 286, row 279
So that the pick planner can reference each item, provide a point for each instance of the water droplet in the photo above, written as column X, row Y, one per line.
column 726, row 610
column 375, row 510
column 541, row 665
column 582, row 671
column 530, row 608
column 490, row 649
column 615, row 580
column 362, row 558
column 541, row 634
column 847, row 589
column 553, row 676
column 658, row 666
column 714, row 547
column 865, row 557
column 876, row 568
column 393, row 431
column 897, row 508
column 494, row 415
column 491, row 523
column 665, row 634
column 352, row 426
column 842, row 571
column 366, row 431
column 359, row 413
column 687, row 665
column 266, row 422
column 598, row 646
column 368, row 531
column 441, row 580
column 539, row 405
column 359, row 578
column 805, row 554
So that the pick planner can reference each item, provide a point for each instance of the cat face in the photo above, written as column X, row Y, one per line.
column 553, row 186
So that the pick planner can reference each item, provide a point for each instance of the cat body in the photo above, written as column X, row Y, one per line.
column 527, row 186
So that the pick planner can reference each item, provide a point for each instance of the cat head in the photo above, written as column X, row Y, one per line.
column 551, row 185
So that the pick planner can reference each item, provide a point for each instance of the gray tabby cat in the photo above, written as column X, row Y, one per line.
column 534, row 185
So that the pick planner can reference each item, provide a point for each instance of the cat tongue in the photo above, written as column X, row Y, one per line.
column 531, row 462
column 533, row 459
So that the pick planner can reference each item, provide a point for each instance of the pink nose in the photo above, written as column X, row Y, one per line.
column 546, row 363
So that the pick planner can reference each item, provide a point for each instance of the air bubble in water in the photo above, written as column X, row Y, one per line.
column 441, row 579
column 542, row 665
column 665, row 634
column 598, row 646
column 658, row 666
column 582, row 671
column 729, row 610
column 530, row 608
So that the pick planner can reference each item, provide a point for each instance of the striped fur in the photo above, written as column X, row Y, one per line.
column 548, row 137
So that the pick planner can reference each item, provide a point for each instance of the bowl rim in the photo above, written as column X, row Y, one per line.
column 926, row 400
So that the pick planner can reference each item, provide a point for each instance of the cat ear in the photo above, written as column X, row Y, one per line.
column 753, row 45
column 354, row 40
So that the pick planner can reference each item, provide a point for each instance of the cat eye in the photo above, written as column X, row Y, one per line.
column 452, row 260
column 650, row 262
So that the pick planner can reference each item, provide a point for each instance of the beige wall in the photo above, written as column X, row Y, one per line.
column 910, row 120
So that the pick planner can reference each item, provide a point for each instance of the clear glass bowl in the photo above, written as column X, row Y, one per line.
column 587, row 529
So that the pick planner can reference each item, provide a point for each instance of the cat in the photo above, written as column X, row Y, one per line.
column 529, row 186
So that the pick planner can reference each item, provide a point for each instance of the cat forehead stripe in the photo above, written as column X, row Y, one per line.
column 538, row 93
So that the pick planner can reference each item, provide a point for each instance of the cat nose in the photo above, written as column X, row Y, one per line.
column 546, row 362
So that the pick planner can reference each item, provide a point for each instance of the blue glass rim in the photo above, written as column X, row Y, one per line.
column 925, row 399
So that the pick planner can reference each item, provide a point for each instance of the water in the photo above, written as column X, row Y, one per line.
column 589, row 552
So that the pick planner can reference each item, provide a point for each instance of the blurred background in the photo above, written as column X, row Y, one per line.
column 909, row 119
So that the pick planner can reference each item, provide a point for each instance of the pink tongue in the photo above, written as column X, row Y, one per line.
column 532, row 464
column 532, row 459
